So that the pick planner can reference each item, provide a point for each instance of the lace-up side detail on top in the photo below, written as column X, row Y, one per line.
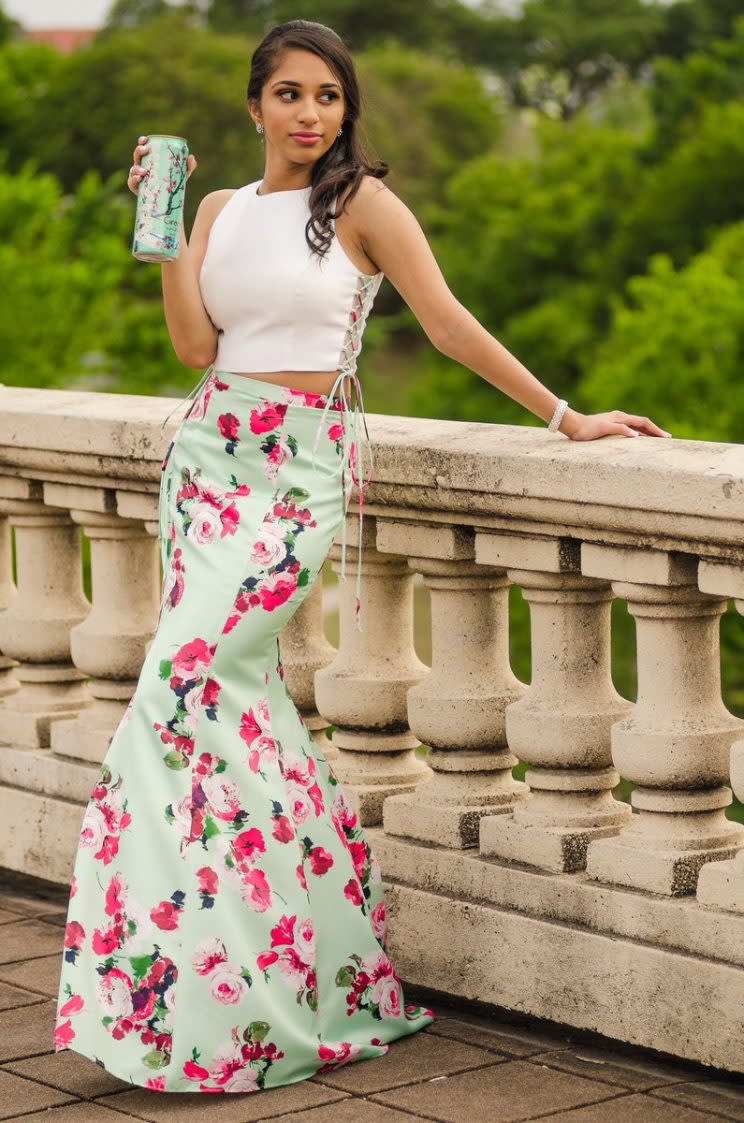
column 353, row 456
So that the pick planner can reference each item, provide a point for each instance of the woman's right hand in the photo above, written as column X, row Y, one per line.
column 136, row 172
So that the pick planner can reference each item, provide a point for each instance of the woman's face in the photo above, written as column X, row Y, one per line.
column 302, row 96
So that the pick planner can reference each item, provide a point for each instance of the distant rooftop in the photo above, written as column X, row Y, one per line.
column 65, row 39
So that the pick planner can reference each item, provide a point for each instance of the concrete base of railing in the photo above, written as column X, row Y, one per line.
column 665, row 973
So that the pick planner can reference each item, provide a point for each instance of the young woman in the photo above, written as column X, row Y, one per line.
column 226, row 926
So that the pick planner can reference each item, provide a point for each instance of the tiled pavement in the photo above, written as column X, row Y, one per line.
column 464, row 1068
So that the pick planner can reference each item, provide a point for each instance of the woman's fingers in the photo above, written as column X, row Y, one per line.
column 136, row 172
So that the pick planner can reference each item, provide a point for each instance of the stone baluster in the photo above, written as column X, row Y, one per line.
column 675, row 744
column 304, row 649
column 458, row 709
column 8, row 682
column 721, row 884
column 35, row 628
column 363, row 691
column 561, row 727
column 110, row 644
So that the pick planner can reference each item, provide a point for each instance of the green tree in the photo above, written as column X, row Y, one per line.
column 682, row 90
column 680, row 201
column 522, row 244
column 675, row 349
column 568, row 49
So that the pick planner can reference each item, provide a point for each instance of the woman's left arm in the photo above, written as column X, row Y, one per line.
column 392, row 237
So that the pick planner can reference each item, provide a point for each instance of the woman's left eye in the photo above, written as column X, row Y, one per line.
column 328, row 93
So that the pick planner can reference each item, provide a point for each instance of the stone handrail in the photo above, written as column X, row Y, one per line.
column 548, row 895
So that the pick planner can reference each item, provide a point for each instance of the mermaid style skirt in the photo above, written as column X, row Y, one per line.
column 226, row 924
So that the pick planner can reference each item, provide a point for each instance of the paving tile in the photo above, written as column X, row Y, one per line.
column 27, row 939
column 27, row 1031
column 58, row 919
column 408, row 1059
column 350, row 1110
column 514, row 1041
column 634, row 1108
column 80, row 1112
column 722, row 1097
column 12, row 997
column 27, row 904
column 238, row 1107
column 8, row 917
column 503, row 1093
column 38, row 974
column 70, row 1071
column 17, row 1095
column 638, row 1073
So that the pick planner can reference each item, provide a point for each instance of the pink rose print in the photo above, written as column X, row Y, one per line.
column 240, row 1065
column 304, row 797
column 228, row 425
column 227, row 984
column 337, row 1053
column 195, row 693
column 281, row 573
column 293, row 951
column 214, row 800
column 353, row 891
column 64, row 1034
column 167, row 914
column 106, row 817
column 174, row 584
column 373, row 985
column 268, row 417
column 320, row 860
column 74, row 936
column 283, row 830
column 199, row 408
column 240, row 857
column 208, row 885
column 255, row 730
column 378, row 920
column 208, row 512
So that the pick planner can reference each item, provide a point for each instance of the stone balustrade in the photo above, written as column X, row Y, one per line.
column 546, row 895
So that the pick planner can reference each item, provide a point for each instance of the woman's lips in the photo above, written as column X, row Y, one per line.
column 303, row 138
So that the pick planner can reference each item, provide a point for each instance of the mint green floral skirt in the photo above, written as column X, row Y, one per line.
column 226, row 923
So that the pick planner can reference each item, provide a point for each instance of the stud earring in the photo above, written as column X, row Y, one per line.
column 339, row 132
column 259, row 127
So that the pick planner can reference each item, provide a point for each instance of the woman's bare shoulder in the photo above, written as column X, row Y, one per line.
column 214, row 201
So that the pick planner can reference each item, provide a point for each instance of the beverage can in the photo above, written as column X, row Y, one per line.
column 160, row 199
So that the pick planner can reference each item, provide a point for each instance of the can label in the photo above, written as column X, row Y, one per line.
column 160, row 199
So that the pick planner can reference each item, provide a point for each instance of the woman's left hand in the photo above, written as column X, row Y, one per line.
column 589, row 426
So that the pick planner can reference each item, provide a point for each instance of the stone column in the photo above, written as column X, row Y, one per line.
column 109, row 645
column 35, row 628
column 721, row 884
column 675, row 744
column 458, row 709
column 561, row 727
column 304, row 650
column 8, row 682
column 363, row 691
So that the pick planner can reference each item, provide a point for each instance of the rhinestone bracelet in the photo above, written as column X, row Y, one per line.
column 557, row 417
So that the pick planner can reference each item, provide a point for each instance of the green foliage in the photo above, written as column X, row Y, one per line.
column 522, row 244
column 84, row 312
column 681, row 329
column 681, row 200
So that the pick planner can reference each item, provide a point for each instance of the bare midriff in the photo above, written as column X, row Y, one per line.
column 314, row 381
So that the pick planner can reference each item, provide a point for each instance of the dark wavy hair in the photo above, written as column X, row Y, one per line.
column 346, row 161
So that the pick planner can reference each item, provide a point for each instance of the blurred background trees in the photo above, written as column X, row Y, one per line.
column 577, row 166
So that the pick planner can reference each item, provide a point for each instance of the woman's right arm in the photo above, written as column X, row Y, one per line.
column 193, row 335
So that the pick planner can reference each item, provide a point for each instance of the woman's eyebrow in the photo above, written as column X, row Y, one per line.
column 291, row 82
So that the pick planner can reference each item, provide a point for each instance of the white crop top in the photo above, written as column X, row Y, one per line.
column 276, row 304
